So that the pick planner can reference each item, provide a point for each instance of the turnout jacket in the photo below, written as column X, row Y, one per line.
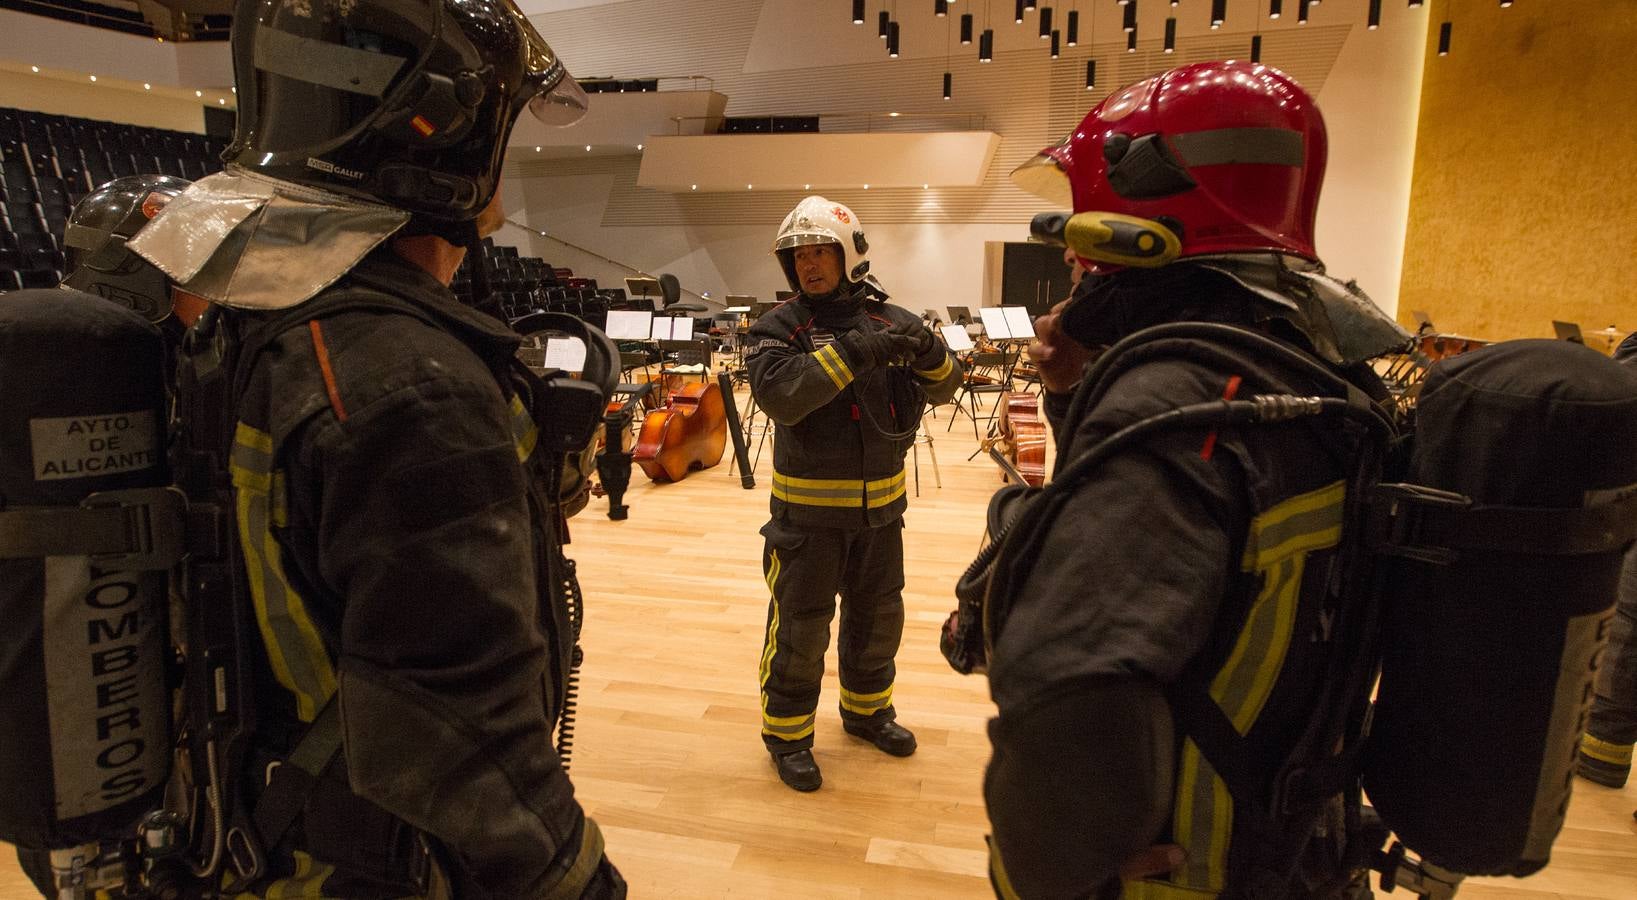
column 400, row 548
column 1197, row 560
column 834, row 464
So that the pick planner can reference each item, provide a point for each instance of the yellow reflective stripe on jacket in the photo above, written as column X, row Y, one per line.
column 830, row 360
column 524, row 433
column 939, row 373
column 1605, row 751
column 297, row 654
column 1276, row 548
column 839, row 492
column 866, row 704
column 572, row 885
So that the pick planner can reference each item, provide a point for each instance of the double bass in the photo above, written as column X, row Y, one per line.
column 689, row 433
column 1023, row 436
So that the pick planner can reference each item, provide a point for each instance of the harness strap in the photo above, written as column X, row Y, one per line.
column 141, row 528
column 293, row 781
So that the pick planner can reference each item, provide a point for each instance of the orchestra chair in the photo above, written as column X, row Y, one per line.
column 988, row 373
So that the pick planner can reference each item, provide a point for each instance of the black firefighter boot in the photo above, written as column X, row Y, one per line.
column 798, row 769
column 888, row 736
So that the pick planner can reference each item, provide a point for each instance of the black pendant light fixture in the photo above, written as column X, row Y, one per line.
column 892, row 40
column 1375, row 15
column 1443, row 38
column 1219, row 12
column 1055, row 44
column 1091, row 74
column 949, row 85
column 1130, row 24
column 1045, row 22
column 1020, row 12
column 986, row 46
column 1030, row 4
column 1131, row 41
column 940, row 7
column 1276, row 8
column 882, row 20
column 1301, row 11
column 966, row 28
column 1414, row 3
column 1074, row 28
column 1171, row 34
column 858, row 12
column 1256, row 49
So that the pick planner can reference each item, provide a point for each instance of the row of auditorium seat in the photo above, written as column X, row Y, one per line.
column 122, row 19
column 769, row 125
column 523, row 285
column 48, row 163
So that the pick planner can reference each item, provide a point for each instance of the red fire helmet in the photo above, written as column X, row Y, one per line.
column 1229, row 156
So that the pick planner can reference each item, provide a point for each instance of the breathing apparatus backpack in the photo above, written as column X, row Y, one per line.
column 1481, row 545
column 104, row 515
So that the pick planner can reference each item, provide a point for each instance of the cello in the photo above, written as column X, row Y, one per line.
column 1023, row 436
column 689, row 433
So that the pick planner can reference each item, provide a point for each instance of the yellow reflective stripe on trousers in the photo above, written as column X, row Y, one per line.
column 1276, row 548
column 524, row 433
column 297, row 654
column 1605, row 751
column 866, row 704
column 939, row 373
column 997, row 874
column 572, row 885
column 829, row 359
column 789, row 728
column 839, row 492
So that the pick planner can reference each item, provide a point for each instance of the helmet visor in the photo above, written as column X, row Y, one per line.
column 558, row 99
column 1045, row 177
column 803, row 239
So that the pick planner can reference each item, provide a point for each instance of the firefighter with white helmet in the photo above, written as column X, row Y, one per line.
column 844, row 376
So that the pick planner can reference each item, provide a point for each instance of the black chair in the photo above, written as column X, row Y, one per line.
column 988, row 374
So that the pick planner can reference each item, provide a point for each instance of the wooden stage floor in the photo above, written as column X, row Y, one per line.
column 668, row 757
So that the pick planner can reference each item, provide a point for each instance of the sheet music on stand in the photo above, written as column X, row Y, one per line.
column 630, row 325
column 1006, row 323
column 957, row 338
column 1017, row 319
column 672, row 328
column 565, row 353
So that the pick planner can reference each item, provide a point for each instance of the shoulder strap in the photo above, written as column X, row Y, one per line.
column 293, row 781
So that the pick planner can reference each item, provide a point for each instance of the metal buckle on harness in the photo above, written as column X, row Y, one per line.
column 155, row 528
column 1398, row 517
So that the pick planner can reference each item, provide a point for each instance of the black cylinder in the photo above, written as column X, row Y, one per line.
column 858, row 12
column 966, row 28
column 882, row 20
column 84, row 708
column 1130, row 23
column 1488, row 652
column 1073, row 34
column 949, row 85
column 1046, row 22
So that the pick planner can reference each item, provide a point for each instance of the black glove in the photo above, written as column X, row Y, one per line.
column 880, row 348
column 929, row 354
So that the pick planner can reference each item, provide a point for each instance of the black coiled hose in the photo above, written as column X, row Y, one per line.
column 571, row 685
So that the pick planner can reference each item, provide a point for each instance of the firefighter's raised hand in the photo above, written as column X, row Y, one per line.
column 1060, row 358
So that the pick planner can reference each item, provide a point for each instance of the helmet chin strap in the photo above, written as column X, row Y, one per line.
column 482, row 294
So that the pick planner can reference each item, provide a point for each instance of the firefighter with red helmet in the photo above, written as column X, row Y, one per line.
column 1178, row 593
column 844, row 376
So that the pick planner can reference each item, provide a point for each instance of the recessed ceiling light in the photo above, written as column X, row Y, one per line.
column 93, row 78
column 750, row 187
column 35, row 68
column 537, row 149
column 198, row 93
column 925, row 186
column 639, row 146
column 806, row 187
column 588, row 148
column 894, row 115
column 221, row 101
column 866, row 187
column 694, row 188
column 234, row 89
column 146, row 86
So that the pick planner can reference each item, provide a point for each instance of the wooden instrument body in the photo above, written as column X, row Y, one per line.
column 689, row 433
column 1023, row 433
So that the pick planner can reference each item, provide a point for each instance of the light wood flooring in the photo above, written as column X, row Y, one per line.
column 668, row 758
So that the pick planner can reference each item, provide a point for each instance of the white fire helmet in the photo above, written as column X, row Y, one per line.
column 816, row 220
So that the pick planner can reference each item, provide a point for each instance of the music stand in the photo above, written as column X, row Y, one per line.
column 642, row 286
column 1568, row 331
column 960, row 315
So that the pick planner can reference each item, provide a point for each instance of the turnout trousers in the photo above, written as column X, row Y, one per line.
column 806, row 568
column 1612, row 728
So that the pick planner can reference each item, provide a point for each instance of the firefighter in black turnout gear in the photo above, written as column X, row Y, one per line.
column 1183, row 589
column 845, row 377
column 395, row 484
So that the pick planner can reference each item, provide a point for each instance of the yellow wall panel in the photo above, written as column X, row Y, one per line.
column 1523, row 204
